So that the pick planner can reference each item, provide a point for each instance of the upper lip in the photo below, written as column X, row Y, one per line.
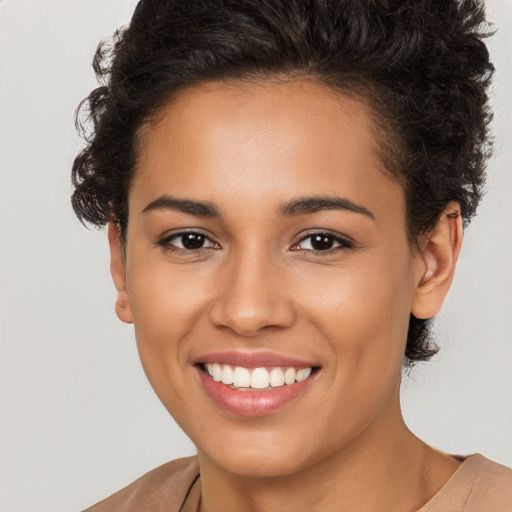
column 253, row 359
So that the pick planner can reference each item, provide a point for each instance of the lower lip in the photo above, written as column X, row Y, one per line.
column 253, row 403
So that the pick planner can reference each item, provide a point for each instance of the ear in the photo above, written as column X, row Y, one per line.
column 118, row 271
column 438, row 254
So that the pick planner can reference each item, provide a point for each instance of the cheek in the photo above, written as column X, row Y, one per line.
column 165, row 298
column 168, row 304
column 363, row 317
column 373, row 294
column 363, row 312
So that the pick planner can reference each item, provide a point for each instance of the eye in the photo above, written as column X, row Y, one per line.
column 321, row 242
column 188, row 241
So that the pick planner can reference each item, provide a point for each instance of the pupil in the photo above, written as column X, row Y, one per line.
column 192, row 240
column 322, row 242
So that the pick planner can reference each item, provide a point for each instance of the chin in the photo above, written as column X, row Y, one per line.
column 256, row 465
column 270, row 459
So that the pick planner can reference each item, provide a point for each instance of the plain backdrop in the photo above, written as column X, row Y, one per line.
column 78, row 419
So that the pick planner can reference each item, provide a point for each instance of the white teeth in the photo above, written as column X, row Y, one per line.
column 260, row 378
column 289, row 376
column 257, row 378
column 276, row 377
column 302, row 374
column 241, row 377
column 227, row 374
column 217, row 372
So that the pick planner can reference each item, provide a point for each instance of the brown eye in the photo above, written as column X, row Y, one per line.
column 189, row 240
column 319, row 242
column 322, row 242
column 192, row 240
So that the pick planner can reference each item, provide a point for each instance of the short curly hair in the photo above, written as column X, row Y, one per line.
column 421, row 65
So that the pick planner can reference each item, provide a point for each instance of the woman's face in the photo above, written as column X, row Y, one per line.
column 264, row 233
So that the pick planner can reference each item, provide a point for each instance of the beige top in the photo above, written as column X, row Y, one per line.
column 479, row 485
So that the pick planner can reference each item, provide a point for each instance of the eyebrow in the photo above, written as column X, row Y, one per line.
column 191, row 207
column 308, row 205
column 301, row 206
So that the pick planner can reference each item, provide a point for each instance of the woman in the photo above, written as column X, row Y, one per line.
column 285, row 186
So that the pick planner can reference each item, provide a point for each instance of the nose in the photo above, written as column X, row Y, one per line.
column 253, row 296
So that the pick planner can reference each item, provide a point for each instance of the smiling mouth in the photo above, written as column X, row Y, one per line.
column 256, row 379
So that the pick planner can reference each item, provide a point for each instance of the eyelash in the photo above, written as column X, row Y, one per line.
column 166, row 242
column 344, row 243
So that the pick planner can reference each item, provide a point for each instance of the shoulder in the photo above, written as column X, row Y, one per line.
column 479, row 485
column 163, row 488
column 482, row 468
column 491, row 484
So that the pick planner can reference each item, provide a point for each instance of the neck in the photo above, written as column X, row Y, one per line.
column 386, row 468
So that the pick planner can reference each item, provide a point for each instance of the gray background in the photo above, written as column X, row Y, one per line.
column 78, row 419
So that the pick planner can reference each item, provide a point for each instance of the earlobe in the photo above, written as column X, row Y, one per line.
column 437, row 260
column 118, row 271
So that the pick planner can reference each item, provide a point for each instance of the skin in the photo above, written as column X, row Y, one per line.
column 248, row 149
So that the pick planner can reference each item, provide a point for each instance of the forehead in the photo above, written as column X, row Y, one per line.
column 268, row 139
